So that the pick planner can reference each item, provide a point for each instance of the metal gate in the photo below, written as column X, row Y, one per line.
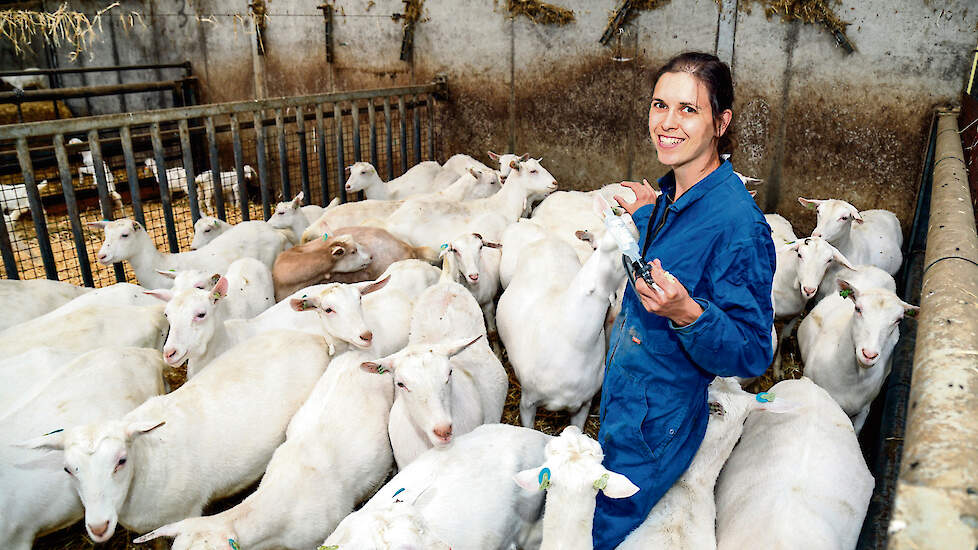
column 295, row 143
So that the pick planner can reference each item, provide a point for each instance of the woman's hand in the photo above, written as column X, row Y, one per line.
column 673, row 302
column 644, row 194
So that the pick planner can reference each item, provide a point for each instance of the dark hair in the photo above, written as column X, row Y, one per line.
column 715, row 75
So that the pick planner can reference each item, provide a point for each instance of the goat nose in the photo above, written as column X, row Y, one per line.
column 349, row 187
column 868, row 355
column 367, row 336
column 443, row 431
column 169, row 354
column 816, row 233
column 99, row 530
column 474, row 276
column 808, row 290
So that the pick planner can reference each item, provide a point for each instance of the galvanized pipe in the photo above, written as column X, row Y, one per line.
column 158, row 155
column 71, row 204
column 355, row 117
column 390, row 138
column 37, row 211
column 107, row 68
column 300, row 121
column 9, row 260
column 188, row 167
column 283, row 157
column 321, row 150
column 340, row 162
column 402, row 111
column 105, row 202
column 90, row 91
column 215, row 168
column 266, row 206
column 132, row 174
column 936, row 505
column 372, row 136
column 416, row 131
column 238, row 168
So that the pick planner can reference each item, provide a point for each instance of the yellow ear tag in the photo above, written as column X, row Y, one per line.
column 601, row 482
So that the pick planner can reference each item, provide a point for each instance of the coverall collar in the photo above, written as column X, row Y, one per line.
column 667, row 184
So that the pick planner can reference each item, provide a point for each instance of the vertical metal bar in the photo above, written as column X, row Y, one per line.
column 300, row 121
column 238, row 170
column 37, row 212
column 106, row 203
column 7, row 251
column 266, row 205
column 71, row 204
column 321, row 149
column 355, row 117
column 215, row 168
column 372, row 121
column 132, row 174
column 431, row 127
column 171, row 230
column 283, row 157
column 340, row 164
column 404, row 141
column 417, row 131
column 188, row 167
column 390, row 138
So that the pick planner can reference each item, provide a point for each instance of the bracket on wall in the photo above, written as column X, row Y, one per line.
column 617, row 21
column 328, row 25
column 411, row 15
column 257, row 8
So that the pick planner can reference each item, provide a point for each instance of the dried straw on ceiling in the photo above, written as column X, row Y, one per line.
column 541, row 13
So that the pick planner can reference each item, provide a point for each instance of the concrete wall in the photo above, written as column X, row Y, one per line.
column 810, row 119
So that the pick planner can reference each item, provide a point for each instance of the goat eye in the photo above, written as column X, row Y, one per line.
column 401, row 385
column 122, row 461
column 328, row 310
column 799, row 254
column 125, row 236
column 67, row 471
column 201, row 315
column 859, row 310
column 533, row 171
column 200, row 286
column 843, row 218
column 208, row 230
column 828, row 261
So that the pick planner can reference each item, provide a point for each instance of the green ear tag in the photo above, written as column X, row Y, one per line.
column 54, row 431
column 233, row 544
column 845, row 293
column 381, row 369
column 330, row 547
column 601, row 482
column 216, row 295
column 810, row 206
column 325, row 236
column 764, row 397
column 544, row 479
column 216, row 223
column 910, row 313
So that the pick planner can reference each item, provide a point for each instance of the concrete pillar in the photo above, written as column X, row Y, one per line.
column 936, row 505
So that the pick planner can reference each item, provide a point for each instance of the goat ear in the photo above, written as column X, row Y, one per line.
column 491, row 244
column 220, row 290
column 585, row 236
column 338, row 250
column 348, row 169
column 753, row 193
column 304, row 303
column 841, row 259
column 454, row 348
column 371, row 286
column 494, row 156
column 810, row 204
column 847, row 290
column 474, row 171
column 615, row 485
column 215, row 278
column 53, row 441
column 910, row 310
column 99, row 224
column 380, row 366
column 164, row 294
column 170, row 530
column 139, row 428
column 529, row 479
column 514, row 165
column 856, row 217
column 169, row 274
column 297, row 201
column 136, row 226
column 526, row 156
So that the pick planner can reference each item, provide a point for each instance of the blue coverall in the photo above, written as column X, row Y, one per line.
column 654, row 410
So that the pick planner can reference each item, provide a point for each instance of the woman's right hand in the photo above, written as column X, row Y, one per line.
column 644, row 194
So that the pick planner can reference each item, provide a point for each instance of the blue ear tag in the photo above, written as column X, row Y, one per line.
column 544, row 479
column 397, row 492
column 601, row 482
column 233, row 544
column 443, row 246
column 764, row 397
column 54, row 432
column 325, row 236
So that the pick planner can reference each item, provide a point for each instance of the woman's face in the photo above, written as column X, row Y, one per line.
column 681, row 120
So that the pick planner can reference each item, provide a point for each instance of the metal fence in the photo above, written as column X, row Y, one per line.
column 293, row 144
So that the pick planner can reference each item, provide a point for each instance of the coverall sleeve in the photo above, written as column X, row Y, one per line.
column 642, row 219
column 732, row 337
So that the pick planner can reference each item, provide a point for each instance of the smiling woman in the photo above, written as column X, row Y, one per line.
column 712, row 313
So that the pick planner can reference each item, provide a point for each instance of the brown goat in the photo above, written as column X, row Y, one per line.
column 348, row 255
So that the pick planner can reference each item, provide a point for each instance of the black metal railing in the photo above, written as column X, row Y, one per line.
column 275, row 135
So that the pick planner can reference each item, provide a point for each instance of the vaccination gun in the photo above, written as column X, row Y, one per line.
column 627, row 245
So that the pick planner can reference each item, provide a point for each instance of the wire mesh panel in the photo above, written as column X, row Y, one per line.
column 164, row 169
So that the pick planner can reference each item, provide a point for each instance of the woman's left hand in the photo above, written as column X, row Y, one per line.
column 673, row 302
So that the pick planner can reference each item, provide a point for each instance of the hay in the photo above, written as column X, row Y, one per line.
column 21, row 27
column 812, row 12
column 33, row 111
column 540, row 13
column 412, row 13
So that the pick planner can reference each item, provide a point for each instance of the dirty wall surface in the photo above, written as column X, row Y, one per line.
column 810, row 119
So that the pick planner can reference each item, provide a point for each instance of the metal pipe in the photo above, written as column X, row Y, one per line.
column 321, row 150
column 9, row 260
column 71, row 205
column 188, row 167
column 390, row 138
column 37, row 211
column 430, row 107
column 23, row 72
column 88, row 91
column 300, row 122
column 355, row 117
column 340, row 163
column 132, row 174
column 402, row 119
column 238, row 169
column 158, row 155
column 266, row 206
column 416, row 131
column 105, row 202
column 215, row 169
column 372, row 135
column 283, row 157
column 935, row 506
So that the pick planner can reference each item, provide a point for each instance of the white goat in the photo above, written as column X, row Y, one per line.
column 828, row 483
column 572, row 475
column 431, row 222
column 566, row 213
column 250, row 290
column 876, row 238
column 462, row 497
column 515, row 239
column 476, row 259
column 210, row 438
column 24, row 300
column 479, row 184
column 126, row 239
column 86, row 328
column 820, row 265
column 847, row 345
column 685, row 517
column 418, row 180
column 229, row 183
column 20, row 374
column 27, row 81
column 781, row 231
column 88, row 168
column 336, row 453
column 35, row 494
column 176, row 177
column 554, row 299
column 447, row 379
column 295, row 217
column 14, row 202
column 206, row 229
